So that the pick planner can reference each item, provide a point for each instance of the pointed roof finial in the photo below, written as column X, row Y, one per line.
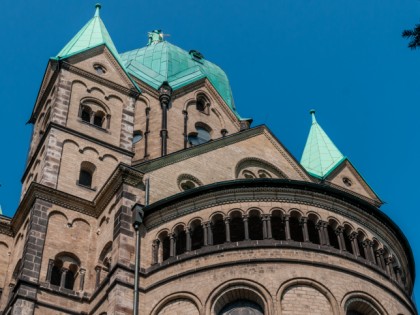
column 312, row 112
column 98, row 7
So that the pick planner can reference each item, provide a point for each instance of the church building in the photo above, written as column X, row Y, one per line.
column 141, row 167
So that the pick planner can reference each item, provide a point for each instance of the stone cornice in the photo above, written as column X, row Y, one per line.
column 182, row 155
column 5, row 227
column 123, row 174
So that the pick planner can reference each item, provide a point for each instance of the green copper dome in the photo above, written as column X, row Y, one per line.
column 161, row 61
column 320, row 156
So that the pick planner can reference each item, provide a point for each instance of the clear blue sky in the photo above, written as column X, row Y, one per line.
column 344, row 58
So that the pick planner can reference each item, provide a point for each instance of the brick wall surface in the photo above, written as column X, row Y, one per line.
column 299, row 300
column 179, row 307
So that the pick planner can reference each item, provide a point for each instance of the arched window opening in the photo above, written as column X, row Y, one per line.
column 219, row 229
column 180, row 240
column 86, row 113
column 237, row 230
column 202, row 135
column 104, row 263
column 264, row 174
column 312, row 231
column 255, row 225
column 85, row 178
column 277, row 226
column 137, row 136
column 166, row 246
column 187, row 181
column 98, row 119
column 100, row 70
column 358, row 306
column 296, row 232
column 248, row 174
column 197, row 235
column 63, row 271
column 70, row 277
column 202, row 104
column 239, row 300
column 332, row 236
column 239, row 307
column 56, row 272
column 187, row 184
column 86, row 174
column 94, row 113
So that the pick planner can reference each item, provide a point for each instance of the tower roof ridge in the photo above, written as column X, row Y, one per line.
column 320, row 155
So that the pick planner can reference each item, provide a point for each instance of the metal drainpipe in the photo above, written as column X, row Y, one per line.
column 138, row 215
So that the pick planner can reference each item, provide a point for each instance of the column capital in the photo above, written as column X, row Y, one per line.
column 352, row 235
column 339, row 230
column 380, row 252
column 227, row 220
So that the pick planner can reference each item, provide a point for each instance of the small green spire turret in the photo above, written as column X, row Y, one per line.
column 1, row 211
column 93, row 34
column 320, row 155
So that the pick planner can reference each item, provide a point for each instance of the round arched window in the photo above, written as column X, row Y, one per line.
column 199, row 137
column 187, row 184
column 242, row 307
column 137, row 136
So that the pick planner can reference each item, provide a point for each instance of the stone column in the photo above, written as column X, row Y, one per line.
column 397, row 271
column 371, row 251
column 227, row 229
column 339, row 232
column 165, row 92
column 98, row 276
column 325, row 230
column 388, row 262
column 155, row 252
column 82, row 272
column 287, row 227
column 320, row 230
column 50, row 267
column 366, row 248
column 172, row 248
column 264, row 223
column 354, row 244
column 206, row 241
column 269, row 232
column 188, row 237
column 245, row 219
column 304, row 225
column 380, row 257
column 210, row 233
column 63, row 278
